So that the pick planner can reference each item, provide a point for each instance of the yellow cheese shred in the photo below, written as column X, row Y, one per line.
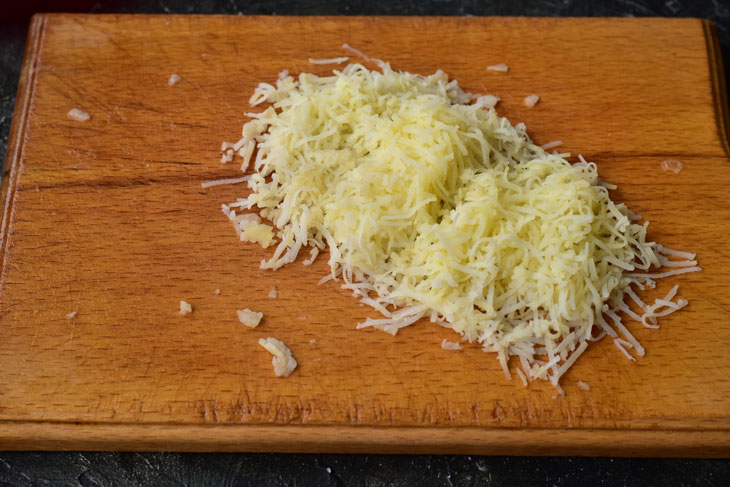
column 433, row 206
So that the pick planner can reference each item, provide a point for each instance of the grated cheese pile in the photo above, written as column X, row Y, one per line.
column 432, row 206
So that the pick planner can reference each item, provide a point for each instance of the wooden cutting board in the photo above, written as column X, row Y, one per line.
column 107, row 218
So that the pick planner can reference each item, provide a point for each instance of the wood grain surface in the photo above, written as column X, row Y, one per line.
column 107, row 218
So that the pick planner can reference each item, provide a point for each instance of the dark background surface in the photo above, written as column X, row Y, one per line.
column 218, row 469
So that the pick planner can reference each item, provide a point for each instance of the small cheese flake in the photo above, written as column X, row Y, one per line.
column 249, row 318
column 283, row 360
column 78, row 115
column 185, row 308
column 447, row 345
column 174, row 79
column 531, row 101
column 488, row 101
column 582, row 385
column 673, row 165
column 273, row 293
column 312, row 340
column 216, row 292
column 71, row 315
column 498, row 68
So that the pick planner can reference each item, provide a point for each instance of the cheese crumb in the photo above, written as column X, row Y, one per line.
column 250, row 230
column 283, row 360
column 582, row 385
column 488, row 101
column 174, row 79
column 78, row 115
column 216, row 292
column 498, row 68
column 531, row 100
column 447, row 345
column 185, row 308
column 674, row 165
column 249, row 318
column 71, row 315
column 273, row 293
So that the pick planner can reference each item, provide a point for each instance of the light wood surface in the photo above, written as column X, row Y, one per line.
column 107, row 218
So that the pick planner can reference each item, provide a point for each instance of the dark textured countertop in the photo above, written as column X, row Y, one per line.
column 214, row 469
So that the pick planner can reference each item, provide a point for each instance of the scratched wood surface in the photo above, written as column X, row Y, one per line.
column 107, row 218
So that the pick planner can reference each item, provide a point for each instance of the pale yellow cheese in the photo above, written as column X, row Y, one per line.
column 259, row 233
column 434, row 207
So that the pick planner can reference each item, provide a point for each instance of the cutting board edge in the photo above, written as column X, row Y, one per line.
column 348, row 439
column 15, row 435
column 719, row 86
column 24, row 96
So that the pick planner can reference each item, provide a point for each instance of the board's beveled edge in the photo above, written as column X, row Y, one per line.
column 353, row 439
column 719, row 86
column 23, row 99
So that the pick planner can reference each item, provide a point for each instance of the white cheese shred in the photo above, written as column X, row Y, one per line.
column 431, row 205
column 334, row 60
column 283, row 360
column 550, row 145
column 219, row 182
column 621, row 345
column 522, row 377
